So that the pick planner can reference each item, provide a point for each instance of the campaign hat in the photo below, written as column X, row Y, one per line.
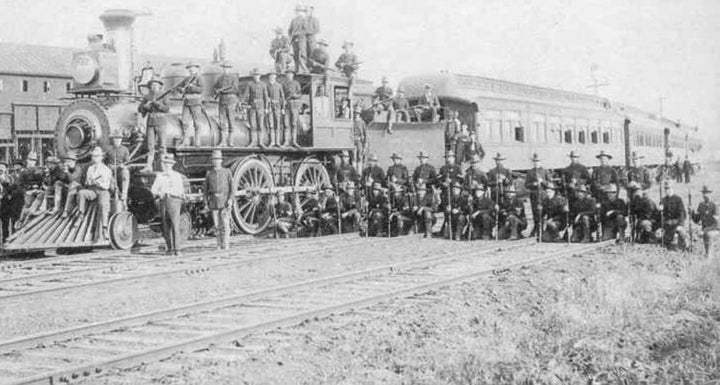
column 603, row 154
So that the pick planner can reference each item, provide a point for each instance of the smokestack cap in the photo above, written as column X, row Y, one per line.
column 118, row 18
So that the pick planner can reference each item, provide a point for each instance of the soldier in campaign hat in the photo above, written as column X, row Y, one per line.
column 293, row 94
column 218, row 191
column 275, row 108
column 154, row 105
column 643, row 214
column 575, row 173
column 604, row 175
column 345, row 172
column 372, row 173
column 638, row 173
column 117, row 157
column 398, row 172
column 401, row 106
column 348, row 64
column 554, row 213
column 312, row 29
column 707, row 216
column 512, row 215
column 449, row 172
column 256, row 95
column 226, row 89
column 281, row 51
column 383, row 101
column 457, row 211
column 499, row 177
column 535, row 180
column 191, row 88
column 169, row 191
column 424, row 205
column 582, row 214
column 298, row 38
column 483, row 212
column 674, row 216
column 424, row 173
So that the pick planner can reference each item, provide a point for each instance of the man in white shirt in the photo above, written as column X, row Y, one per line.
column 98, row 179
column 169, row 191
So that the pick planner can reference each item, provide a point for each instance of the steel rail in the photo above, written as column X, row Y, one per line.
column 202, row 341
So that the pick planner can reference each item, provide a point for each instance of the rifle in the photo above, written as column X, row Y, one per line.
column 690, row 219
column 448, row 220
column 568, row 231
column 275, row 220
column 498, row 191
column 218, row 92
column 390, row 207
column 540, row 215
column 662, row 214
column 339, row 213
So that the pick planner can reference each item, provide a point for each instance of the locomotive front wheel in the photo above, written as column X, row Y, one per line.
column 253, row 182
column 123, row 230
column 313, row 174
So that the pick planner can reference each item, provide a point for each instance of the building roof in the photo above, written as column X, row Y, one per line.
column 27, row 59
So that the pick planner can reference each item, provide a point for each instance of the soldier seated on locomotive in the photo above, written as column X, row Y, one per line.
column 673, row 218
column 117, row 157
column 483, row 212
column 512, row 215
column 401, row 106
column 96, row 187
column 424, row 206
column 706, row 215
column 30, row 181
column 643, row 214
column 349, row 208
column 65, row 183
column 555, row 210
column 457, row 211
column 383, row 101
column 429, row 105
column 583, row 211
column 319, row 63
column 400, row 217
column 378, row 209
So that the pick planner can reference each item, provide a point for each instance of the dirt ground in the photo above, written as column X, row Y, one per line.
column 633, row 314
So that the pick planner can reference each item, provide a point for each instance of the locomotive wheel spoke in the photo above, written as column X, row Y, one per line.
column 251, row 175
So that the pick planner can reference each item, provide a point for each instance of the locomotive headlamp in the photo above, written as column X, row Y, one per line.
column 85, row 69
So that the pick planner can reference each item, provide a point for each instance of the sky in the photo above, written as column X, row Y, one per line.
column 646, row 50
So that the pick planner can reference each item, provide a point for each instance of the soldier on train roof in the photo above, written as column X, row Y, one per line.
column 383, row 101
column 298, row 38
column 226, row 90
column 401, row 106
column 191, row 88
column 604, row 175
column 256, row 95
column 429, row 105
column 348, row 64
column 293, row 94
column 312, row 28
column 281, row 51
column 275, row 108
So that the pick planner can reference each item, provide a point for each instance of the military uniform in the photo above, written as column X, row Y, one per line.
column 535, row 181
column 227, row 88
column 706, row 215
column 284, row 217
column 312, row 28
column 612, row 216
column 192, row 107
column 117, row 159
column 329, row 206
column 256, row 95
column 349, row 211
column 155, row 111
column 276, row 106
column 483, row 216
column 30, row 182
column 298, row 38
column 674, row 215
column 293, row 95
column 401, row 216
column 499, row 179
column 280, row 51
column 371, row 174
column 423, row 207
column 383, row 101
column 310, row 217
column 512, row 217
column 448, row 173
column 474, row 177
column 639, row 175
column 319, row 61
column 345, row 173
column 554, row 216
column 604, row 176
column 644, row 213
column 427, row 173
column 456, row 212
column 379, row 207
column 582, row 213
column 401, row 106
column 219, row 196
column 575, row 174
column 430, row 106
column 98, row 180
column 399, row 174
column 348, row 64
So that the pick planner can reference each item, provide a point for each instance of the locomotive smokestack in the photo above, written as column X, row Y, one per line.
column 118, row 24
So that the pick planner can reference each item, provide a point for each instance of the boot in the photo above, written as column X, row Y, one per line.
column 286, row 137
column 224, row 138
column 56, row 200
column 273, row 138
column 229, row 139
column 261, row 138
column 253, row 142
column 196, row 139
column 293, row 137
column 513, row 233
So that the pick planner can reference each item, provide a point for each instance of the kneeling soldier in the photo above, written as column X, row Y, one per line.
column 644, row 213
column 378, row 206
column 512, row 215
column 400, row 217
column 582, row 214
column 612, row 215
column 423, row 208
column 284, row 215
column 555, row 210
column 329, row 212
column 706, row 215
column 349, row 211
column 483, row 213
column 673, row 211
column 219, row 198
column 310, row 214
column 456, row 212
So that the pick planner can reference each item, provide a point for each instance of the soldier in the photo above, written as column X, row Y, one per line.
column 424, row 206
column 30, row 182
column 397, row 172
column 457, row 211
column 70, row 182
column 349, row 210
column 604, row 175
column 400, row 217
column 512, row 216
column 280, row 51
column 191, row 88
column 227, row 88
column 379, row 207
column 687, row 169
column 452, row 127
column 429, row 105
column 154, row 107
column 706, row 215
column 424, row 173
column 643, row 212
column 535, row 181
column 483, row 213
column 319, row 63
column 474, row 176
column 612, row 215
column 293, row 95
column 168, row 189
column 329, row 211
column 298, row 38
column 345, row 172
column 11, row 201
column 574, row 174
column 499, row 178
column 582, row 215
column 555, row 211
column 383, row 101
column 401, row 106
column 310, row 214
column 98, row 179
column 638, row 173
column 359, row 133
column 348, row 64
column 256, row 95
column 218, row 199
column 312, row 29
column 275, row 107
column 284, row 215
column 372, row 173
column 116, row 158
column 673, row 218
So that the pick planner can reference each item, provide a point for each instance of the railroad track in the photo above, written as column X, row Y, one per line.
column 79, row 353
column 113, row 269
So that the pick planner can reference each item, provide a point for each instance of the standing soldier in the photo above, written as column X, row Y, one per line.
column 383, row 101
column 604, row 175
column 512, row 216
column 673, row 211
column 280, row 51
column 349, row 210
column 483, row 213
column 256, row 95
column 348, row 64
column 612, row 215
column 687, row 169
column 275, row 107
column 117, row 157
column 499, row 177
column 191, row 89
column 227, row 88
column 449, row 172
column 575, row 173
column 706, row 215
column 643, row 213
column 535, row 181
column 98, row 180
column 424, row 206
column 359, row 134
column 474, row 176
column 298, row 38
column 293, row 94
column 429, row 105
column 372, row 173
column 154, row 107
column 218, row 198
column 319, row 63
column 345, row 172
column 424, row 173
column 169, row 191
column 461, row 143
column 452, row 127
column 555, row 210
column 397, row 172
column 638, row 173
column 312, row 28
column 582, row 215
